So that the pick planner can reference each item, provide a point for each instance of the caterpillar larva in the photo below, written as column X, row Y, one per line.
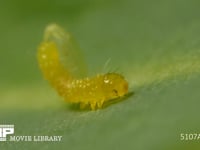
column 57, row 60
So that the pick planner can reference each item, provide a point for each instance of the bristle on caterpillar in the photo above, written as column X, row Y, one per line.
column 58, row 65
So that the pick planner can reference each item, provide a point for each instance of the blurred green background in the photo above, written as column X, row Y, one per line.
column 154, row 44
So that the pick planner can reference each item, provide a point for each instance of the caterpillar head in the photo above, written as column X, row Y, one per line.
column 114, row 85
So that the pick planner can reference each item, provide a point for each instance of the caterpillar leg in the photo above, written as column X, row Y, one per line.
column 100, row 104
column 96, row 105
column 93, row 105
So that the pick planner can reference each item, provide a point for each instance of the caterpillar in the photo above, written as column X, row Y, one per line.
column 58, row 61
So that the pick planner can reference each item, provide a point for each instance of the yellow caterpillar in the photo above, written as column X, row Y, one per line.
column 57, row 58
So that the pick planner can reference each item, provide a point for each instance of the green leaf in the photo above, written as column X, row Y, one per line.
column 154, row 44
